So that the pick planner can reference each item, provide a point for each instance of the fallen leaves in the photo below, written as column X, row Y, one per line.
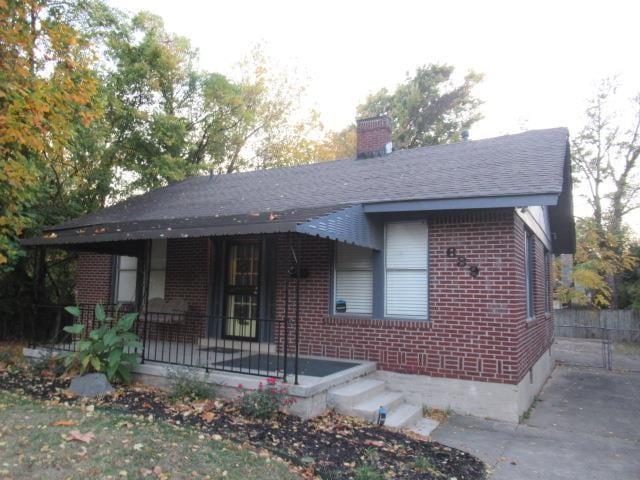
column 64, row 423
column 329, row 444
column 208, row 416
column 76, row 436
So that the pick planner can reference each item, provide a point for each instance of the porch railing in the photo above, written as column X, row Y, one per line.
column 261, row 347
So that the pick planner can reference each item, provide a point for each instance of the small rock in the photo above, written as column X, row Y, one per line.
column 307, row 460
column 91, row 385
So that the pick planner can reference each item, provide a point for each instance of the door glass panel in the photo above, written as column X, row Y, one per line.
column 243, row 265
column 242, row 311
column 242, row 290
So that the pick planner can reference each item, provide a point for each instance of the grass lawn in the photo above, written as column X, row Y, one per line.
column 34, row 444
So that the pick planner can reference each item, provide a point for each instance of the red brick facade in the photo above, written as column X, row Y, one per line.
column 93, row 278
column 477, row 327
column 373, row 136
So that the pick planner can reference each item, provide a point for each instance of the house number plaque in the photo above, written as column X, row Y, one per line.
column 463, row 262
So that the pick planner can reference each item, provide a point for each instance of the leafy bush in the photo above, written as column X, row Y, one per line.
column 423, row 465
column 186, row 386
column 107, row 349
column 265, row 401
column 367, row 472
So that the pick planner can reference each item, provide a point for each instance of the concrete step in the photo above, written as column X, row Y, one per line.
column 403, row 415
column 343, row 398
column 424, row 426
column 368, row 409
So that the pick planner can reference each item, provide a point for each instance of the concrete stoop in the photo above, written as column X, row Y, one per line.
column 363, row 398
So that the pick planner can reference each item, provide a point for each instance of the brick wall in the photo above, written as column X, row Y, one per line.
column 93, row 278
column 534, row 335
column 186, row 277
column 477, row 327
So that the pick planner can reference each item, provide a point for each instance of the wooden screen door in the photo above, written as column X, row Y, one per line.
column 242, row 290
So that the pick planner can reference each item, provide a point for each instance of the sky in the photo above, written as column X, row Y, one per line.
column 541, row 60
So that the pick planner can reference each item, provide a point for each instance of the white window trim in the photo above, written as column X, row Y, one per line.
column 116, row 282
column 335, row 288
column 117, row 270
column 405, row 317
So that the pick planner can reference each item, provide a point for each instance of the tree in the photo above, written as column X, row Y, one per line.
column 429, row 108
column 597, row 258
column 605, row 161
column 47, row 87
column 336, row 145
column 256, row 122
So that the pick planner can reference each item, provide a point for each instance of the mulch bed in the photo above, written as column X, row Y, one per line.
column 331, row 446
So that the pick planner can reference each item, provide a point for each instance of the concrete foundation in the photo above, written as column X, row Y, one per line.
column 498, row 401
column 310, row 394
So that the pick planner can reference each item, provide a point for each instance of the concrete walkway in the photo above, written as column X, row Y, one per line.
column 586, row 426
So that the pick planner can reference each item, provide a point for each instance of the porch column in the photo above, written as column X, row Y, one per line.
column 36, row 293
column 298, row 259
column 143, row 304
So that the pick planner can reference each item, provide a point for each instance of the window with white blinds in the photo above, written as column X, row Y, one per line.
column 127, row 274
column 354, row 278
column 406, row 274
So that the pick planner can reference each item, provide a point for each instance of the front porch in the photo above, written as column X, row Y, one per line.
column 169, row 344
column 231, row 366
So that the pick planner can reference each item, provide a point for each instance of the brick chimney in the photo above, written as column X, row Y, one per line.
column 374, row 136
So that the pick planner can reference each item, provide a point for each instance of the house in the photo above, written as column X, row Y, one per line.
column 426, row 271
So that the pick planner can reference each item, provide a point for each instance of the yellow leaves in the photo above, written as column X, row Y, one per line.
column 208, row 416
column 64, row 423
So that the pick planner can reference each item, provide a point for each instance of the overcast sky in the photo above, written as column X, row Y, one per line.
column 541, row 59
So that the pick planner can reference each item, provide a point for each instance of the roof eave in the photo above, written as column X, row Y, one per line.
column 462, row 203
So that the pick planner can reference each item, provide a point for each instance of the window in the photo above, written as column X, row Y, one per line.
column 547, row 281
column 406, row 274
column 127, row 274
column 353, row 279
column 529, row 255
column 158, row 268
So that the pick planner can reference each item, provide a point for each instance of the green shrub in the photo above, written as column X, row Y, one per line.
column 265, row 401
column 185, row 386
column 423, row 465
column 107, row 349
column 367, row 472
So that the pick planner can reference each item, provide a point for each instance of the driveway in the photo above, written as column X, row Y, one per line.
column 585, row 426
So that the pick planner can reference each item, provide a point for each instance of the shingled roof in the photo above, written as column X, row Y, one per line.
column 526, row 167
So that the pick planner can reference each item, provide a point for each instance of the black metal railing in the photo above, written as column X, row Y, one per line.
column 249, row 346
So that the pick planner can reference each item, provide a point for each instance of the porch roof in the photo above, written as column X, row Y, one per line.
column 334, row 199
column 339, row 222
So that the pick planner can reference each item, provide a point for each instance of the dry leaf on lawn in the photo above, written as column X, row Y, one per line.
column 75, row 435
column 208, row 416
column 64, row 423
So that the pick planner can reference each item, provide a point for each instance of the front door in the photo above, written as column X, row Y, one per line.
column 242, row 290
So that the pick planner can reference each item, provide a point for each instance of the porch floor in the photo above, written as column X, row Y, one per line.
column 256, row 359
